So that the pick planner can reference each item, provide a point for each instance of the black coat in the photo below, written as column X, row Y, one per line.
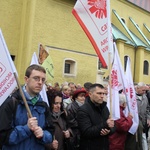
column 91, row 120
column 72, row 123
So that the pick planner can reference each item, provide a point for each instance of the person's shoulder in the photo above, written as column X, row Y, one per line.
column 85, row 106
column 70, row 106
column 43, row 103
column 6, row 102
column 9, row 104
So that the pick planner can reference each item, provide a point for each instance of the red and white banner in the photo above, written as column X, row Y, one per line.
column 94, row 18
column 7, row 68
column 117, row 75
column 125, row 82
column 132, row 103
column 115, row 104
column 43, row 94
column 117, row 83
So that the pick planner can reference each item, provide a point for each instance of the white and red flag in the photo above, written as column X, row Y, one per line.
column 125, row 82
column 132, row 103
column 7, row 69
column 118, row 77
column 117, row 84
column 94, row 18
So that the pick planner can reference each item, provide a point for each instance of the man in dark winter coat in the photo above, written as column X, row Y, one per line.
column 94, row 122
column 17, row 130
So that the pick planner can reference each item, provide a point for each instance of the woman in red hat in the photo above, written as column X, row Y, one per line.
column 78, row 100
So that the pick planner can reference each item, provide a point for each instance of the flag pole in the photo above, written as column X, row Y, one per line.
column 110, row 89
column 109, row 55
column 23, row 97
column 126, row 99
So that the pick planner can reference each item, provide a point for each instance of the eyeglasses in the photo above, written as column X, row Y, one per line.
column 37, row 79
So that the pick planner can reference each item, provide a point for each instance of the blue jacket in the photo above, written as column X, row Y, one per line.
column 14, row 132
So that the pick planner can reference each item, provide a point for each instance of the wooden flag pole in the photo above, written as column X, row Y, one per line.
column 110, row 91
column 23, row 97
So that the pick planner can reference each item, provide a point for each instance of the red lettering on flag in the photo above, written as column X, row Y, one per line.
column 114, row 77
column 2, row 69
column 131, row 92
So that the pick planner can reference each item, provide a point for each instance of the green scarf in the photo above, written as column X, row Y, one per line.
column 34, row 100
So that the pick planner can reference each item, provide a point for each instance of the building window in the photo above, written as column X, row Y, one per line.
column 123, row 20
column 13, row 57
column 100, row 66
column 125, row 62
column 145, row 68
column 69, row 67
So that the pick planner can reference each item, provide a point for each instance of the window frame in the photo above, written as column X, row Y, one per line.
column 145, row 68
column 73, row 67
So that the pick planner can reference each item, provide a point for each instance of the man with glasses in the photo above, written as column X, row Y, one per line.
column 17, row 130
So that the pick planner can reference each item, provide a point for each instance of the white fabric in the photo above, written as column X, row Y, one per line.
column 144, row 142
column 7, row 68
column 94, row 18
column 131, row 98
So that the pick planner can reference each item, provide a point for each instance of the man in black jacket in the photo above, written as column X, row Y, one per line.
column 94, row 122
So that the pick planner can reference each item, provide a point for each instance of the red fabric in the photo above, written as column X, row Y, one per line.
column 117, row 140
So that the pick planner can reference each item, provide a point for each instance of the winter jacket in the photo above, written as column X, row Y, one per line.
column 72, row 123
column 91, row 120
column 143, row 108
column 117, row 140
column 14, row 132
column 60, row 125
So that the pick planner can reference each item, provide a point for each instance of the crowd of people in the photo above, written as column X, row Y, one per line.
column 77, row 117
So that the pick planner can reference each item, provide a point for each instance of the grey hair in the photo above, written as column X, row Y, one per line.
column 141, row 84
column 122, row 98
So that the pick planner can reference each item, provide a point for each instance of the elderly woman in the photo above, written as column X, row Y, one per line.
column 62, row 133
column 117, row 140
column 78, row 100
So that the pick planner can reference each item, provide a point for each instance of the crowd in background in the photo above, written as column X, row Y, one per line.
column 126, row 141
column 77, row 117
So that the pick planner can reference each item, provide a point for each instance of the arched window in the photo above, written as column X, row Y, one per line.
column 125, row 62
column 145, row 67
column 69, row 67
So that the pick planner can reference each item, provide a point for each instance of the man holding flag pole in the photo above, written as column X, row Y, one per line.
column 18, row 128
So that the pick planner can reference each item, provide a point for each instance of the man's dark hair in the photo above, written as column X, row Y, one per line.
column 93, row 86
column 34, row 67
column 71, row 83
column 87, row 85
